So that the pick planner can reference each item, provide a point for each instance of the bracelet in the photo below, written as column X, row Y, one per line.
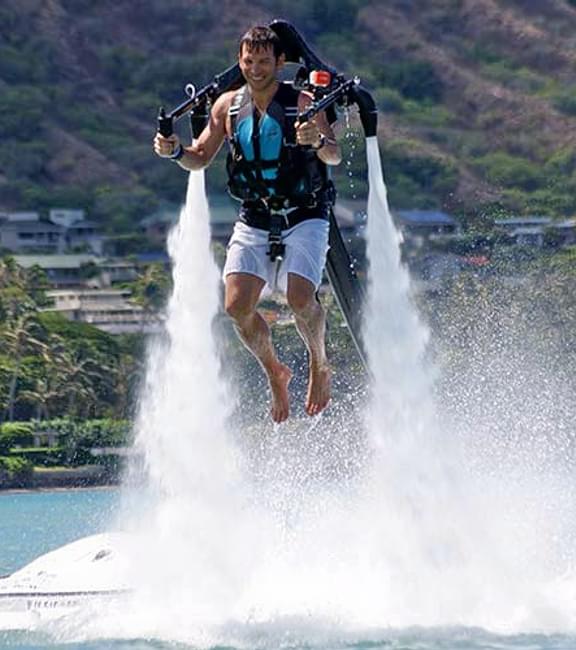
column 176, row 155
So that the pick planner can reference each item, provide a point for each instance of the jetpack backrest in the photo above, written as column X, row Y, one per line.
column 296, row 49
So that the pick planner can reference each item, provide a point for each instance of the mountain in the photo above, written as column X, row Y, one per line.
column 477, row 97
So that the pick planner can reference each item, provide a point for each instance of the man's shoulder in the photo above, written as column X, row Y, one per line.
column 223, row 102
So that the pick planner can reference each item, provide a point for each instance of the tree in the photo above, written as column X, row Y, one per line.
column 19, row 336
column 80, row 371
column 152, row 288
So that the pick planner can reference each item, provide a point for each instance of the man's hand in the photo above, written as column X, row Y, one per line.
column 308, row 134
column 166, row 147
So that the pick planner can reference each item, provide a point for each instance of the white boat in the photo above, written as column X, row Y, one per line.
column 86, row 571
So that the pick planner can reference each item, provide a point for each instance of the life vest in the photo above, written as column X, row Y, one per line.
column 264, row 161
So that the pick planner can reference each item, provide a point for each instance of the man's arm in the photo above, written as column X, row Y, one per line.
column 202, row 150
column 317, row 132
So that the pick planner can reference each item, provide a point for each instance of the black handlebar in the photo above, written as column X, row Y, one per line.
column 296, row 51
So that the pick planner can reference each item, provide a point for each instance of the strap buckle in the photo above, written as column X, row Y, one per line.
column 276, row 248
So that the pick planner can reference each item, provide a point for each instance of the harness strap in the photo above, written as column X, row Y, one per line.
column 257, row 162
column 276, row 248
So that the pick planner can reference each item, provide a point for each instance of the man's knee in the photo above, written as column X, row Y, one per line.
column 241, row 296
column 238, row 307
column 301, row 302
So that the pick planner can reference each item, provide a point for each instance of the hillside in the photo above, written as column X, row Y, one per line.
column 478, row 97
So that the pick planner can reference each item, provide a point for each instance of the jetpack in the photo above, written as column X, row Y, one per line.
column 329, row 89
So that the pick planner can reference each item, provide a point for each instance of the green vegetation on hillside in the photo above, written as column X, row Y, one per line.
column 50, row 366
column 81, row 88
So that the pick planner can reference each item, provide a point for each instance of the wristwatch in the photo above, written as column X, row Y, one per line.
column 321, row 142
column 176, row 155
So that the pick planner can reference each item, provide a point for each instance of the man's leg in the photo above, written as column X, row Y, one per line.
column 311, row 324
column 241, row 297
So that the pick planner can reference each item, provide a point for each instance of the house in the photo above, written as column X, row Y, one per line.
column 567, row 231
column 66, row 216
column 25, row 232
column 425, row 223
column 84, row 234
column 64, row 270
column 107, row 309
column 116, row 270
column 32, row 236
column 80, row 233
column 525, row 231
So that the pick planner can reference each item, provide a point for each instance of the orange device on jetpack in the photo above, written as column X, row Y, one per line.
column 320, row 78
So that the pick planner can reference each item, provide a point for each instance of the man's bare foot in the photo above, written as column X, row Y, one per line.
column 319, row 382
column 279, row 381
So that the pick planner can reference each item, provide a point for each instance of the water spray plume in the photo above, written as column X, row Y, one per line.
column 233, row 552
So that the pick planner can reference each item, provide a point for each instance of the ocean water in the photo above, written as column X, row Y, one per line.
column 34, row 523
column 272, row 538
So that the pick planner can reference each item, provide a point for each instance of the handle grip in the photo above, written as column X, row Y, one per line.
column 165, row 123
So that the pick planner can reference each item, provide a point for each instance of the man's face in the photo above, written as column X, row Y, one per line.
column 259, row 66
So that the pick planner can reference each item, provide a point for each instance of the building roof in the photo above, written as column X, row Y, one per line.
column 33, row 226
column 528, row 230
column 533, row 220
column 425, row 217
column 160, row 257
column 83, row 293
column 566, row 224
column 22, row 216
column 54, row 261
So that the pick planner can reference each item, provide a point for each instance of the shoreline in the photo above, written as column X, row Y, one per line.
column 76, row 478
column 77, row 488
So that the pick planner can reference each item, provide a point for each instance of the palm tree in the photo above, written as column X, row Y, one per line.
column 19, row 337
column 48, row 385
column 41, row 395
column 82, row 372
column 152, row 288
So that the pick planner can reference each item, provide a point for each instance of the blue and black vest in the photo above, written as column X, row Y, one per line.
column 264, row 160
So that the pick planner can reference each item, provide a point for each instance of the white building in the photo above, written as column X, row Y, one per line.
column 531, row 230
column 25, row 232
column 63, row 270
column 21, row 216
column 84, row 234
column 107, row 309
column 32, row 235
column 66, row 217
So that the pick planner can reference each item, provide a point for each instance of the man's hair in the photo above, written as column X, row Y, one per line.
column 259, row 37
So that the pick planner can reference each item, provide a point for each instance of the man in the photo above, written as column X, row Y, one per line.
column 277, row 167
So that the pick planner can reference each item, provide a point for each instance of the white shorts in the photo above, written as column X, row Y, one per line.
column 305, row 254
